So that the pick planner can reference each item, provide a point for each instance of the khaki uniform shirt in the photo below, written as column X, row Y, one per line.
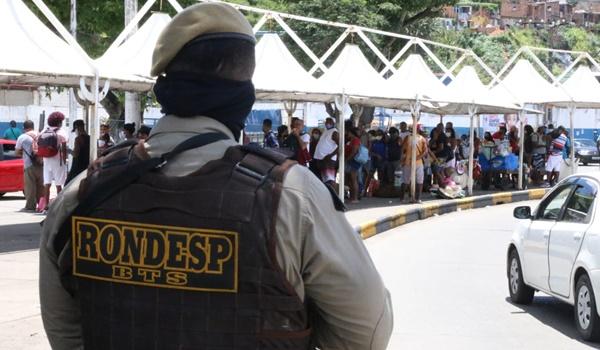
column 317, row 249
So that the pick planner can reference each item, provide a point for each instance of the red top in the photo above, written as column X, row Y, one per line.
column 350, row 145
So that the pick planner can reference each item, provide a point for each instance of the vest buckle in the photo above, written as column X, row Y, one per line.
column 249, row 172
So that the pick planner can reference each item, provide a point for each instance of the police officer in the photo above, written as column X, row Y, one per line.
column 188, row 240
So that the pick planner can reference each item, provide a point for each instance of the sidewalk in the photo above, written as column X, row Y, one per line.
column 375, row 215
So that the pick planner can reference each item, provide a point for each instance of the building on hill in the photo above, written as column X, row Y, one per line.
column 544, row 12
column 587, row 13
column 473, row 15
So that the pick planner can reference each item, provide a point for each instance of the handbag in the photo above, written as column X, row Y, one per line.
column 362, row 157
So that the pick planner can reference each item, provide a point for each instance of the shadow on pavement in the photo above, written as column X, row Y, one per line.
column 556, row 314
column 12, row 196
column 19, row 237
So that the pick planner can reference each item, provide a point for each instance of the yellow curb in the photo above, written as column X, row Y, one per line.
column 368, row 229
column 465, row 203
column 399, row 218
column 537, row 193
column 430, row 210
column 504, row 197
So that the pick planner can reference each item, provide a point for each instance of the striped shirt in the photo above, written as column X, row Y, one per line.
column 558, row 144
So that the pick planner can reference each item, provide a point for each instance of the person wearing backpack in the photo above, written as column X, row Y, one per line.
column 32, row 166
column 52, row 147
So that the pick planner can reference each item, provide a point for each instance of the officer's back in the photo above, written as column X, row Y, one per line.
column 190, row 241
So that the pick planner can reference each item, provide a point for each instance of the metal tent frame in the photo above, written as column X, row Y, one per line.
column 530, row 52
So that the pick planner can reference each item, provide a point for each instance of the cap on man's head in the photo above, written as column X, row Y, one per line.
column 78, row 124
column 198, row 22
column 55, row 118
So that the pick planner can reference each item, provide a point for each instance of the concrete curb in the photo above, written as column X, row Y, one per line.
column 427, row 210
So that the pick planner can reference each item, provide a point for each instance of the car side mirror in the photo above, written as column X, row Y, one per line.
column 523, row 213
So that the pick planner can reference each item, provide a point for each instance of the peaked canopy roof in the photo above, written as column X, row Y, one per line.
column 128, row 64
column 583, row 87
column 468, row 88
column 33, row 54
column 528, row 86
column 353, row 75
column 278, row 76
column 414, row 81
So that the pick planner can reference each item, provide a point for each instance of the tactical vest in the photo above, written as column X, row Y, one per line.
column 185, row 262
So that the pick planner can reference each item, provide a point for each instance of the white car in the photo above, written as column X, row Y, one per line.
column 556, row 250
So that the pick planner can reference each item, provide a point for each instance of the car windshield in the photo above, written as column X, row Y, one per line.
column 585, row 143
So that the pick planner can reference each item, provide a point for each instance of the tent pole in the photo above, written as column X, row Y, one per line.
column 341, row 155
column 471, row 149
column 340, row 103
column 413, row 161
column 572, row 132
column 94, row 124
column 521, row 147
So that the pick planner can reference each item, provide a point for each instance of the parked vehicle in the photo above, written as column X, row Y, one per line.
column 556, row 250
column 586, row 151
column 11, row 168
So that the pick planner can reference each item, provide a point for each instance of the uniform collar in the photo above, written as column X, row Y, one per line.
column 194, row 125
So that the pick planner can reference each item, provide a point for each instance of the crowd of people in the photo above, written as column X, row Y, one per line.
column 46, row 154
column 379, row 162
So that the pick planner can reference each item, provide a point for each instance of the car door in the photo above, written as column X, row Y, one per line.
column 535, row 242
column 567, row 236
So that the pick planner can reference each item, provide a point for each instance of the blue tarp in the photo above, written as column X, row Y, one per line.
column 256, row 117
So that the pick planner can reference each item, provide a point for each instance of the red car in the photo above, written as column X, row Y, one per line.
column 11, row 168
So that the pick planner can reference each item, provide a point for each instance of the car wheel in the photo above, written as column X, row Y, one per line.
column 586, row 315
column 520, row 293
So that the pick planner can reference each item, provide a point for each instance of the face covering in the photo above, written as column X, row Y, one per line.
column 316, row 136
column 448, row 134
column 186, row 94
column 328, row 126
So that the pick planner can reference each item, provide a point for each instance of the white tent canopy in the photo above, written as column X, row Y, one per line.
column 468, row 89
column 33, row 54
column 352, row 74
column 278, row 75
column 128, row 64
column 583, row 87
column 414, row 79
column 528, row 86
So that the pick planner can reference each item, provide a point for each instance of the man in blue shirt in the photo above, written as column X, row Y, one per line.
column 270, row 140
column 12, row 133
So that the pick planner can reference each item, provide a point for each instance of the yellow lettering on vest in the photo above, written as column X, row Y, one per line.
column 149, row 275
column 177, row 255
column 122, row 272
column 154, row 248
column 220, row 249
column 197, row 247
column 110, row 244
column 133, row 244
column 87, row 242
column 176, row 278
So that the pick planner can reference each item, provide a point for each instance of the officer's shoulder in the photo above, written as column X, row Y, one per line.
column 301, row 181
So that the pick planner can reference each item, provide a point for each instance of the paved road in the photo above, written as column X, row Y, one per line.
column 448, row 283
column 18, row 230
